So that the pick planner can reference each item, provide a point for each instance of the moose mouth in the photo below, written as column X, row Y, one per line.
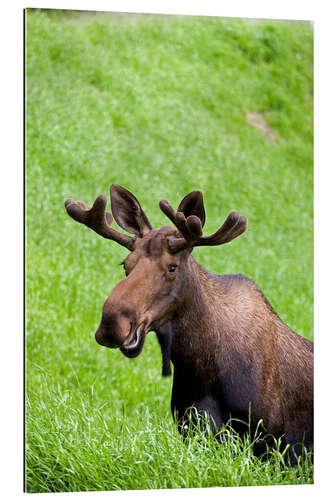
column 134, row 346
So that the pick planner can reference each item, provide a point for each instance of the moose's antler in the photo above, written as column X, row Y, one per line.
column 190, row 225
column 98, row 219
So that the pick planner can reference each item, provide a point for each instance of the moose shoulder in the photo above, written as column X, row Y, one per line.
column 230, row 350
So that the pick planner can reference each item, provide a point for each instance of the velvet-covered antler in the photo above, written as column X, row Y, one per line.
column 98, row 219
column 189, row 220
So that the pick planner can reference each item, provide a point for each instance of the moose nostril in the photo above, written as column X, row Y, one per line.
column 115, row 328
column 103, row 340
column 107, row 321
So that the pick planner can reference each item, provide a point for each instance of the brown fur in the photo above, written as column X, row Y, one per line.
column 230, row 350
column 229, row 319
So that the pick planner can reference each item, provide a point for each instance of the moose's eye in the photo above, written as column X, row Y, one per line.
column 172, row 268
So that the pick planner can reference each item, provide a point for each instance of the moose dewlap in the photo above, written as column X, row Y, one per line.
column 230, row 351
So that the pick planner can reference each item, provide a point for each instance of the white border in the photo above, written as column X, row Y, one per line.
column 12, row 241
column 284, row 9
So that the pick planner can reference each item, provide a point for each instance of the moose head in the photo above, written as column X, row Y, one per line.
column 153, row 289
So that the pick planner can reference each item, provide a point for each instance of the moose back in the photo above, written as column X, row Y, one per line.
column 230, row 350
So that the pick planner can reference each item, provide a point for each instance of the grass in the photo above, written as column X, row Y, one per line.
column 158, row 104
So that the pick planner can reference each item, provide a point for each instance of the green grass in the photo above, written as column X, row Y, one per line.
column 159, row 105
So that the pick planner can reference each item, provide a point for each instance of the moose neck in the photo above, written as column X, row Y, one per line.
column 195, row 327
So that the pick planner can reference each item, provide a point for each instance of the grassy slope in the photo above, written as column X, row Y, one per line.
column 159, row 105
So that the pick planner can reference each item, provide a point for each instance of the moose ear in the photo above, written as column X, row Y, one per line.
column 127, row 211
column 193, row 204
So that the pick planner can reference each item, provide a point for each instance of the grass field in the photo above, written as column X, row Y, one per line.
column 161, row 105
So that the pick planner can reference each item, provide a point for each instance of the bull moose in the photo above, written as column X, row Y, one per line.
column 230, row 350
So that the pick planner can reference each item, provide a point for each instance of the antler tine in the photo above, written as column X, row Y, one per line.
column 189, row 227
column 168, row 210
column 98, row 219
column 233, row 226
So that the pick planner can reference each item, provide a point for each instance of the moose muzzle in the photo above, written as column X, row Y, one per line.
column 119, row 328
